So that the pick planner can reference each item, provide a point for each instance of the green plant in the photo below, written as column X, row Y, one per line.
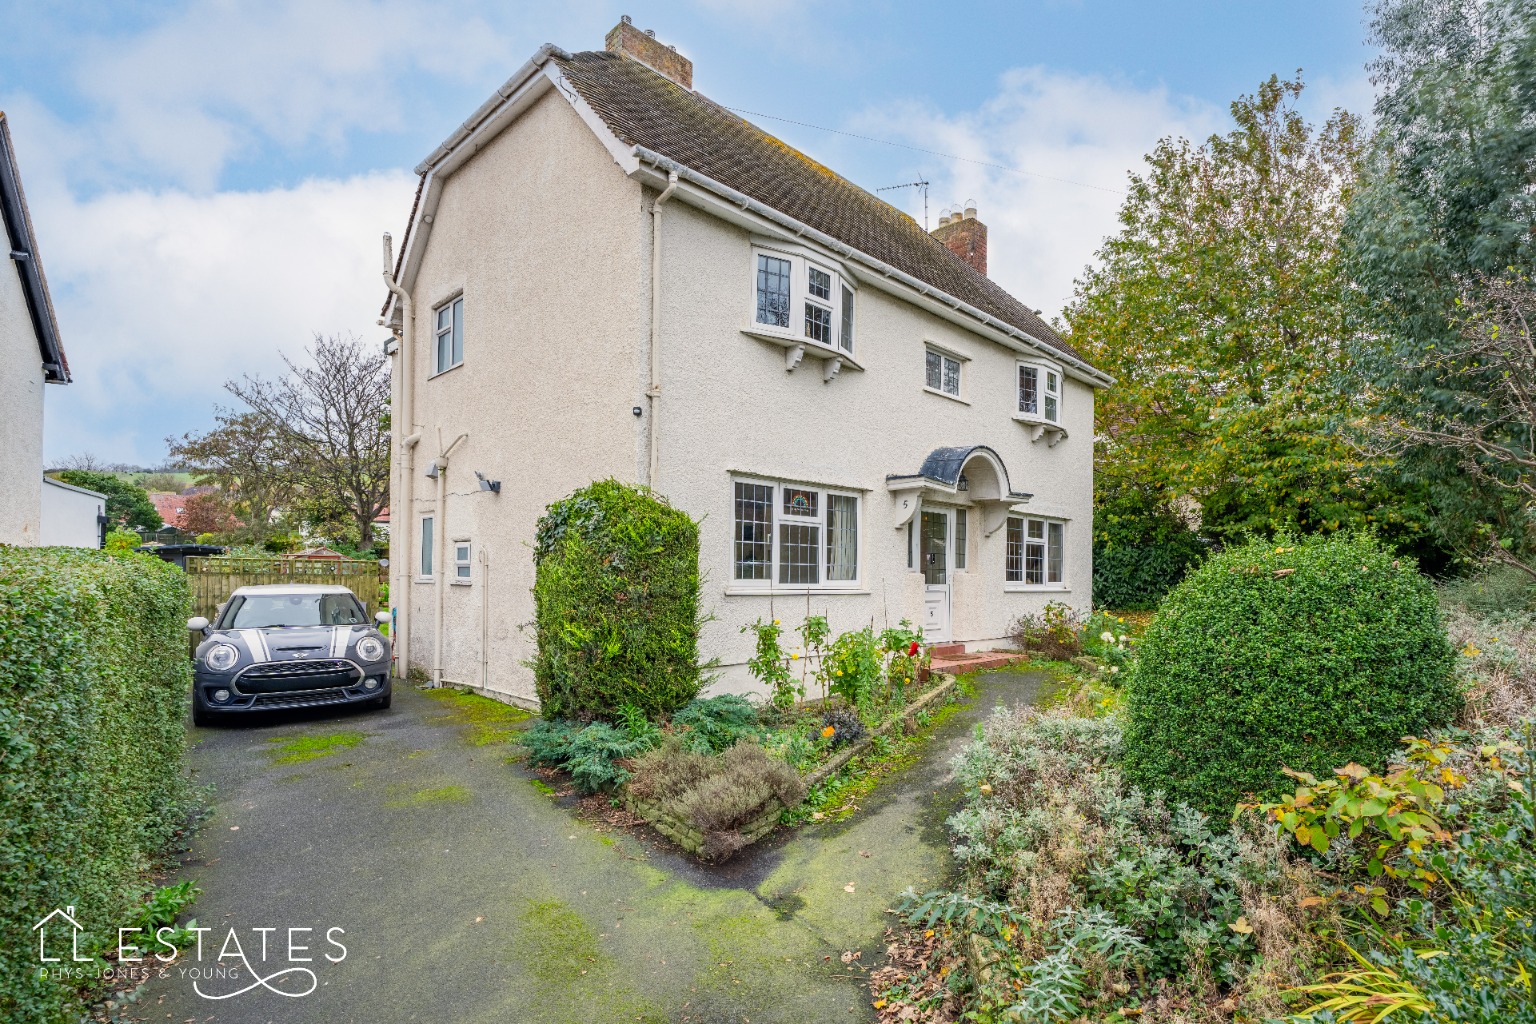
column 713, row 724
column 1054, row 632
column 591, row 753
column 94, row 678
column 1304, row 654
column 616, row 596
column 716, row 794
column 769, row 664
column 814, row 632
column 161, row 911
column 905, row 656
column 1142, row 549
column 840, row 726
column 122, row 542
column 853, row 667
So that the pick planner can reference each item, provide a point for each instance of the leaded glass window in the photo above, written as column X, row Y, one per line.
column 772, row 291
column 754, row 531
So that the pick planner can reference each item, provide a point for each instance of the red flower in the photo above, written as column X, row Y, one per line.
column 912, row 651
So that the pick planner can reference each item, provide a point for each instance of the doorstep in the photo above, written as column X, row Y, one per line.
column 959, row 664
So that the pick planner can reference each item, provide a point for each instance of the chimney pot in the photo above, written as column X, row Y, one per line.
column 644, row 48
column 970, row 212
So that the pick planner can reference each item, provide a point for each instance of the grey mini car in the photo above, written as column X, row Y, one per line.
column 288, row 646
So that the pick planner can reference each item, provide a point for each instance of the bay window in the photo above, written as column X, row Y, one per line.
column 1034, row 553
column 789, row 535
column 1039, row 393
column 802, row 299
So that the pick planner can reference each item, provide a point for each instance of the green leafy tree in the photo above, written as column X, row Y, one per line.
column 1222, row 309
column 246, row 456
column 127, row 504
column 1446, row 205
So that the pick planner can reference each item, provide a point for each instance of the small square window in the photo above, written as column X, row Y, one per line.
column 942, row 373
column 820, row 284
column 818, row 323
column 461, row 561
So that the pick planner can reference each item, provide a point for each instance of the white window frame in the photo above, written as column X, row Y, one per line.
column 1044, row 373
column 946, row 356
column 454, row 306
column 1043, row 542
column 426, row 558
column 777, row 518
column 467, row 576
column 843, row 299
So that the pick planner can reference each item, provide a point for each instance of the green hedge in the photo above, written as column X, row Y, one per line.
column 94, row 678
column 1304, row 654
column 616, row 595
column 1141, row 550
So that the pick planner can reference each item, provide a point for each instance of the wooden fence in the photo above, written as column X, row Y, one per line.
column 214, row 577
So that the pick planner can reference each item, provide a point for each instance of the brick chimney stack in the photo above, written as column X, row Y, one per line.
column 625, row 39
column 965, row 236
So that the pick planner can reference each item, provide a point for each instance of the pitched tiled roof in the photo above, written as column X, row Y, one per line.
column 645, row 109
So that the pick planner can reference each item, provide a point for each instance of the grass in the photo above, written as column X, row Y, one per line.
column 486, row 721
column 296, row 749
column 440, row 795
column 559, row 945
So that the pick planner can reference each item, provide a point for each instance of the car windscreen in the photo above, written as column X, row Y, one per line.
column 263, row 611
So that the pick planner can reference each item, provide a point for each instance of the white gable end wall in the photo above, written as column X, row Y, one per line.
column 21, row 426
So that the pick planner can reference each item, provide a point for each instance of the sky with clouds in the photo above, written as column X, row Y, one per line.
column 209, row 180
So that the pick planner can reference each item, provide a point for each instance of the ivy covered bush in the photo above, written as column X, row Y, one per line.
column 94, row 678
column 1141, row 550
column 616, row 596
column 1302, row 654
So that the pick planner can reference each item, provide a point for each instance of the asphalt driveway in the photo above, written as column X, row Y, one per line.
column 465, row 893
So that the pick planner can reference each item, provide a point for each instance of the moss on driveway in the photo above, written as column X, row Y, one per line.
column 466, row 894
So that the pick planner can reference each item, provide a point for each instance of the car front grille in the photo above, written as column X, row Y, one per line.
column 300, row 699
column 282, row 676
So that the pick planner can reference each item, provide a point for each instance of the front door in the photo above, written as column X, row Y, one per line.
column 934, row 551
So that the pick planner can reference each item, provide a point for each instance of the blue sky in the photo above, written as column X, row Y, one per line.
column 209, row 180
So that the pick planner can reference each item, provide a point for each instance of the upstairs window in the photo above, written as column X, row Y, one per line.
column 794, row 536
column 1040, row 392
column 943, row 373
column 803, row 300
column 450, row 335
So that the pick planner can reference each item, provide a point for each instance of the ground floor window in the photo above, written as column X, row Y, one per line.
column 1035, row 552
column 794, row 535
column 426, row 545
column 461, row 560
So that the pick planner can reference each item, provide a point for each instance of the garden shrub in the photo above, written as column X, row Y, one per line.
column 715, row 794
column 94, row 683
column 616, row 596
column 1054, row 632
column 713, row 724
column 841, row 726
column 590, row 753
column 1141, row 550
column 1305, row 655
column 854, row 668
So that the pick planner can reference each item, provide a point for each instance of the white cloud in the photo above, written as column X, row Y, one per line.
column 222, row 79
column 1072, row 131
column 162, row 296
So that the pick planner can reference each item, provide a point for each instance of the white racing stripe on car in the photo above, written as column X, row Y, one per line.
column 339, row 637
column 255, row 643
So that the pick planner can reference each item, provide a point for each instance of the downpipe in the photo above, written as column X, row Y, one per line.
column 440, row 559
column 653, row 393
column 402, row 503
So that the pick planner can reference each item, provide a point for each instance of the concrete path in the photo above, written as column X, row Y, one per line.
column 466, row 894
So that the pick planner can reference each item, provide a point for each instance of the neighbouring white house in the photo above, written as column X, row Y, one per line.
column 31, row 357
column 72, row 516
column 607, row 274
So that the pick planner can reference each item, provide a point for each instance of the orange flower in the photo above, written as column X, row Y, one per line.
column 827, row 732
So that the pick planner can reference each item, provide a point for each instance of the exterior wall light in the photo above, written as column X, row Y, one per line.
column 494, row 486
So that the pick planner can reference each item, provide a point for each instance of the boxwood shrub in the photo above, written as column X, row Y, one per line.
column 1303, row 654
column 94, row 678
column 616, row 599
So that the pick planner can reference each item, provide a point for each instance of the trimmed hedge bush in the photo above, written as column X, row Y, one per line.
column 94, row 679
column 616, row 597
column 1306, row 655
column 1141, row 550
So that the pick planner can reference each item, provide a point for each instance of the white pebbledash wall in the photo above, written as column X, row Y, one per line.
column 550, row 243
column 21, row 425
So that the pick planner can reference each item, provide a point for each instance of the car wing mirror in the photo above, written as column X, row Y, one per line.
column 381, row 618
column 197, row 624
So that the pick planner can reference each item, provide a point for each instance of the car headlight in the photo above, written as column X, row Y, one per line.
column 221, row 657
column 370, row 648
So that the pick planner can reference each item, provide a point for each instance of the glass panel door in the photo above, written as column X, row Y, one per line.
column 935, row 547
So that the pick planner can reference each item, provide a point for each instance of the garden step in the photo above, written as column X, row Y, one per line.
column 946, row 650
column 980, row 661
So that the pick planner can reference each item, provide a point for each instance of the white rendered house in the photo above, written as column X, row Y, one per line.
column 607, row 274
